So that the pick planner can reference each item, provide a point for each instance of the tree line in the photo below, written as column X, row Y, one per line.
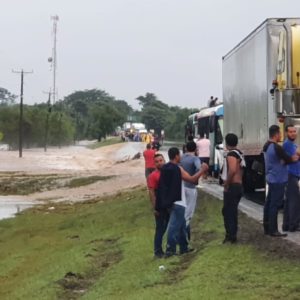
column 87, row 114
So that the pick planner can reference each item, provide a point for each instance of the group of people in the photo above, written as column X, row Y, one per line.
column 173, row 195
column 173, row 192
column 282, row 167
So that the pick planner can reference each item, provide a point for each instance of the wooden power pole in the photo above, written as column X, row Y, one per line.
column 22, row 72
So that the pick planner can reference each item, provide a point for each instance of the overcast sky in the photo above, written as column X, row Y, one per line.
column 172, row 48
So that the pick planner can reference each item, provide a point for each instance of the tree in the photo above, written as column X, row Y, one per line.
column 6, row 98
column 150, row 100
column 154, row 118
column 104, row 120
column 9, row 125
column 158, row 115
column 95, row 113
column 154, row 112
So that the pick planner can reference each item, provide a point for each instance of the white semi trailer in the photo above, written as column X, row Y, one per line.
column 261, row 87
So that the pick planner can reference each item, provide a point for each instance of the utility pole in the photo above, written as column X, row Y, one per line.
column 49, row 108
column 59, row 129
column 53, row 59
column 22, row 72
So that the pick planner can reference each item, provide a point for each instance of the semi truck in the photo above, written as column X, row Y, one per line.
column 261, row 87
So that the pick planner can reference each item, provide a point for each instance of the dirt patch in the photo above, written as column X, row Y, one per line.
column 200, row 239
column 104, row 254
column 251, row 233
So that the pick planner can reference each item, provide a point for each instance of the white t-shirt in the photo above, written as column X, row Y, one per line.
column 181, row 202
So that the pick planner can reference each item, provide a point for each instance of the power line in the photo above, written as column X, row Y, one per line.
column 22, row 72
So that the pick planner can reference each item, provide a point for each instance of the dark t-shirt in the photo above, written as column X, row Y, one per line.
column 234, row 154
column 169, row 186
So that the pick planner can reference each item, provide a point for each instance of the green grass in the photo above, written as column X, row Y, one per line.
column 103, row 250
column 107, row 142
column 77, row 182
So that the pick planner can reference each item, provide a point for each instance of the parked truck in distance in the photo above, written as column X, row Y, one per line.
column 261, row 87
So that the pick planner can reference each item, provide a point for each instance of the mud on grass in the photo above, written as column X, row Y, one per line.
column 251, row 233
column 25, row 184
column 103, row 249
column 77, row 182
column 104, row 254
column 64, row 253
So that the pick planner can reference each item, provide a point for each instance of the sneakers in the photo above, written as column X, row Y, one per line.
column 230, row 240
column 170, row 254
column 189, row 250
column 278, row 234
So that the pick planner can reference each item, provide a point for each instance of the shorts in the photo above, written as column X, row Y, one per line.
column 204, row 160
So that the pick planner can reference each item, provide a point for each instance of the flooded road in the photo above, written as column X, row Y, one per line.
column 76, row 161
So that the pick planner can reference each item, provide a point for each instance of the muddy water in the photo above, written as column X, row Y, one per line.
column 128, row 150
column 10, row 206
column 168, row 144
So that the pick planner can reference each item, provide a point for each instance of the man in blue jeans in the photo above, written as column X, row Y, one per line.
column 170, row 196
column 161, row 216
column 291, row 215
column 276, row 161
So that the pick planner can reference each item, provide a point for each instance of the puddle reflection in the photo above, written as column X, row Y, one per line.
column 8, row 210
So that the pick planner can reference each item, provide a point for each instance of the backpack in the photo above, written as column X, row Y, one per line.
column 224, row 170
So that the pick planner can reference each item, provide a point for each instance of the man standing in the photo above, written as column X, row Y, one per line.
column 276, row 177
column 191, row 164
column 291, row 216
column 170, row 196
column 232, row 176
column 203, row 148
column 162, row 215
column 149, row 160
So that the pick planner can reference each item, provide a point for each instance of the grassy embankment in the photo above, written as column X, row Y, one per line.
column 24, row 184
column 107, row 142
column 103, row 250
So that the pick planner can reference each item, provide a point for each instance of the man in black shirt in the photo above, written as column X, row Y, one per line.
column 170, row 196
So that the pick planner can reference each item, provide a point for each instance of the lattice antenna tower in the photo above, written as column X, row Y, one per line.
column 53, row 59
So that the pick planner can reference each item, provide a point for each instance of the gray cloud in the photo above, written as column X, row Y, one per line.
column 172, row 48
